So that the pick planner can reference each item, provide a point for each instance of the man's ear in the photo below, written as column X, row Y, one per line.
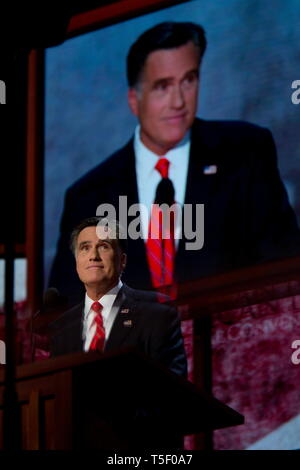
column 133, row 101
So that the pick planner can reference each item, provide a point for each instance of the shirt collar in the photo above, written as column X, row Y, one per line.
column 106, row 300
column 146, row 159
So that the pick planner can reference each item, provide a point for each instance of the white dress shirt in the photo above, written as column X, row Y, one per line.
column 109, row 313
column 148, row 178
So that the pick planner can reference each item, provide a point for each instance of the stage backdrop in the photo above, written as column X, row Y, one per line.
column 251, row 61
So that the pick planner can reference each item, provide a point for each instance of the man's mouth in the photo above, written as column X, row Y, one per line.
column 176, row 118
column 95, row 266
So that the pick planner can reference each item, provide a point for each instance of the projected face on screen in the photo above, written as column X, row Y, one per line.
column 165, row 98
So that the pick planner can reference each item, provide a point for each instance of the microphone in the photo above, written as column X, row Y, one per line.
column 165, row 192
column 54, row 304
column 51, row 301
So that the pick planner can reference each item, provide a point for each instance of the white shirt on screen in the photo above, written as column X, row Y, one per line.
column 148, row 178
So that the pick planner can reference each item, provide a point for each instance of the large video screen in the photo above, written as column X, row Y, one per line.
column 247, row 74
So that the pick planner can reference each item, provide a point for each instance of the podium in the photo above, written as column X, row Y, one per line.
column 120, row 400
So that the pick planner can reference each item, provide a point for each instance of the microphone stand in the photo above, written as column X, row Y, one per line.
column 10, row 398
column 32, row 337
column 11, row 428
column 53, row 306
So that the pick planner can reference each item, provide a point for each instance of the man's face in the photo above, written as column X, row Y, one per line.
column 165, row 101
column 99, row 260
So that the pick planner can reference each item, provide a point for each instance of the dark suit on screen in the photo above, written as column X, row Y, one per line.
column 247, row 215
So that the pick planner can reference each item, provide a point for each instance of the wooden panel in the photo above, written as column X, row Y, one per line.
column 24, row 412
column 45, row 412
column 38, row 422
column 1, row 429
column 45, row 386
column 48, row 438
column 34, row 420
column 63, row 410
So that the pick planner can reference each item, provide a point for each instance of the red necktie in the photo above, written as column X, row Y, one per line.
column 160, row 245
column 97, row 343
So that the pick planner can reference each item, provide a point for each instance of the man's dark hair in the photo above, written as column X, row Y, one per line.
column 93, row 222
column 168, row 35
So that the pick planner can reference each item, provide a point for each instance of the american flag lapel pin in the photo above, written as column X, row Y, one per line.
column 127, row 323
column 210, row 169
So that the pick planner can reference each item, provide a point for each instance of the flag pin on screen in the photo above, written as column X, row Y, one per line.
column 210, row 169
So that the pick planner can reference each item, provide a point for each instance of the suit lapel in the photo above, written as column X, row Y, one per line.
column 75, row 329
column 203, row 156
column 201, row 183
column 78, row 341
column 125, row 321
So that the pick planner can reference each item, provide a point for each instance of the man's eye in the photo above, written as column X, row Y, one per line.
column 105, row 246
column 84, row 248
column 161, row 86
column 190, row 79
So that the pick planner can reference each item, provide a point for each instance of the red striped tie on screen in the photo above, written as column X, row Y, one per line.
column 97, row 343
column 161, row 250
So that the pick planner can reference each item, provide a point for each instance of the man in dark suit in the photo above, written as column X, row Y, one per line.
column 114, row 316
column 229, row 167
column 129, row 317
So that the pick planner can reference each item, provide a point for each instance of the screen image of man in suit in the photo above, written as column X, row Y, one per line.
column 129, row 317
column 228, row 166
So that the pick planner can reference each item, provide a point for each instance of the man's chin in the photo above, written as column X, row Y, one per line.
column 174, row 136
column 94, row 281
column 102, row 282
column 174, row 140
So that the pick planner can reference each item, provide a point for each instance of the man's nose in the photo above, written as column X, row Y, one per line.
column 94, row 254
column 177, row 97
